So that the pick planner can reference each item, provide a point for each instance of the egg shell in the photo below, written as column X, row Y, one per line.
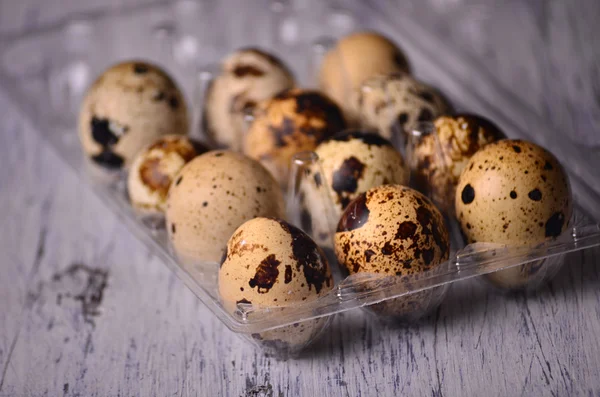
column 351, row 163
column 212, row 195
column 440, row 157
column 354, row 59
column 247, row 77
column 396, row 103
column 397, row 234
column 292, row 122
column 129, row 106
column 516, row 193
column 513, row 192
column 391, row 229
column 154, row 169
column 270, row 263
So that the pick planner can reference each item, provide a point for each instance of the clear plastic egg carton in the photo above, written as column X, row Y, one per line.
column 47, row 72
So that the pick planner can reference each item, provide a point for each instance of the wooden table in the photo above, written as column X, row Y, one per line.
column 85, row 309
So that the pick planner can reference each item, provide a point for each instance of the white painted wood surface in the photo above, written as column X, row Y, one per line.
column 147, row 335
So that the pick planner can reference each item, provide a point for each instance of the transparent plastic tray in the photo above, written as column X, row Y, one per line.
column 46, row 73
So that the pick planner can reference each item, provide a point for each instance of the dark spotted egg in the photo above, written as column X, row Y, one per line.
column 391, row 229
column 154, row 169
column 247, row 76
column 293, row 121
column 394, row 231
column 129, row 106
column 441, row 156
column 513, row 192
column 396, row 103
column 212, row 196
column 355, row 161
column 270, row 263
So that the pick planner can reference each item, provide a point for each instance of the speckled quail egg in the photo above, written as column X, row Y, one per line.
column 356, row 58
column 293, row 121
column 270, row 263
column 440, row 157
column 129, row 106
column 396, row 103
column 155, row 167
column 393, row 230
column 212, row 195
column 247, row 77
column 516, row 193
column 351, row 163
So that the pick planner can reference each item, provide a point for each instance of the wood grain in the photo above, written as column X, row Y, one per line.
column 63, row 332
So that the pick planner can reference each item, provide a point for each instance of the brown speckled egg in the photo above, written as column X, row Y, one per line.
column 441, row 156
column 247, row 77
column 392, row 230
column 356, row 58
column 293, row 121
column 353, row 162
column 270, row 263
column 395, row 103
column 129, row 106
column 211, row 196
column 154, row 169
column 513, row 192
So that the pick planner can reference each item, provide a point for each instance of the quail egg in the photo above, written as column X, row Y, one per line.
column 356, row 58
column 211, row 196
column 351, row 163
column 247, row 77
column 270, row 263
column 293, row 121
column 129, row 106
column 440, row 157
column 395, row 103
column 393, row 231
column 515, row 193
column 155, row 167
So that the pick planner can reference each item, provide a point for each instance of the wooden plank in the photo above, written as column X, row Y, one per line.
column 24, row 234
